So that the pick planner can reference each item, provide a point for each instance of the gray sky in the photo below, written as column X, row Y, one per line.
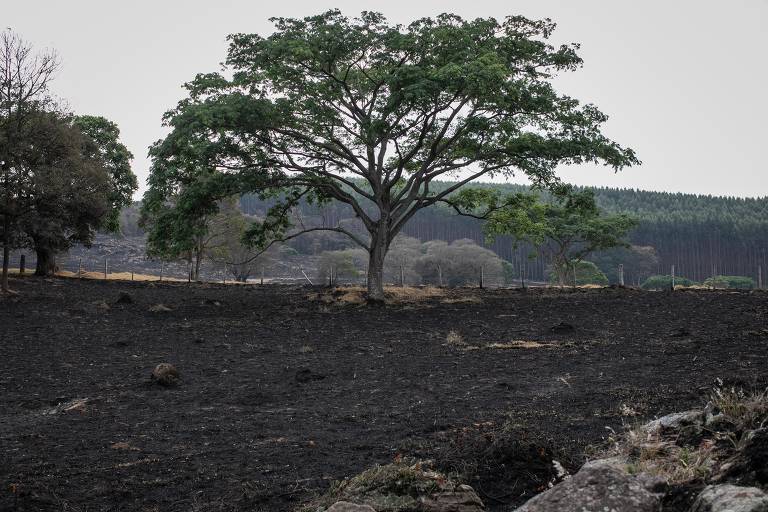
column 684, row 82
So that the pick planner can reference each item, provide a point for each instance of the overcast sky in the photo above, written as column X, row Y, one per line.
column 685, row 83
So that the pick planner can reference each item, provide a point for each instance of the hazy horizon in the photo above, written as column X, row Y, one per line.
column 680, row 81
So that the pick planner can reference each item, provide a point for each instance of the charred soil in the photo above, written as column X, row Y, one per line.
column 280, row 393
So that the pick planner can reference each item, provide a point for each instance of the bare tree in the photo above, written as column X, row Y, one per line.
column 24, row 78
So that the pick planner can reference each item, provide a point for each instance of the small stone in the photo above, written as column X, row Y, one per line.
column 346, row 506
column 159, row 308
column 731, row 498
column 165, row 374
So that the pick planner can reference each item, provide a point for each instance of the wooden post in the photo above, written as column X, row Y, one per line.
column 673, row 278
column 106, row 268
column 162, row 268
column 262, row 276
column 131, row 275
column 402, row 277
column 621, row 274
column 80, row 268
column 440, row 276
column 481, row 277
column 22, row 264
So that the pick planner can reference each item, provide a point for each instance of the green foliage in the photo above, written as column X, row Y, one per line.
column 327, row 98
column 566, row 229
column 586, row 273
column 665, row 282
column 116, row 159
column 731, row 282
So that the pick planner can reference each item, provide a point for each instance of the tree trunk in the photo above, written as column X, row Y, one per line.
column 376, row 256
column 46, row 262
column 198, row 257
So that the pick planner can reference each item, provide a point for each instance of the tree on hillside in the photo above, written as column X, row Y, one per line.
column 327, row 99
column 24, row 79
column 566, row 230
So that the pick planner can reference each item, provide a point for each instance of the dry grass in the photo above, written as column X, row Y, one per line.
column 648, row 452
column 116, row 276
column 471, row 299
column 350, row 295
column 662, row 453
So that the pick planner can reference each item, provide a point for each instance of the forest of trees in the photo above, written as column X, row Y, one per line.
column 702, row 236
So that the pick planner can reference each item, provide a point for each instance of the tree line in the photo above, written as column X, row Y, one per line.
column 63, row 176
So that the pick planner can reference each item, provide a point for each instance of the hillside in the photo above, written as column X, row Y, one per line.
column 700, row 235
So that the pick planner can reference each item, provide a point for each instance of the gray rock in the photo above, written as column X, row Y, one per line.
column 345, row 506
column 463, row 499
column 731, row 498
column 675, row 421
column 600, row 486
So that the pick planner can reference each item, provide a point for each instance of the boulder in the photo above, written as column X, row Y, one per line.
column 462, row 499
column 731, row 498
column 346, row 506
column 675, row 421
column 600, row 486
column 165, row 374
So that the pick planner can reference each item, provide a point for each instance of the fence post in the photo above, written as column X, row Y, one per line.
column 106, row 268
column 481, row 277
column 262, row 276
column 22, row 264
column 162, row 268
column 402, row 277
column 440, row 275
column 621, row 274
column 673, row 278
column 131, row 275
column 80, row 268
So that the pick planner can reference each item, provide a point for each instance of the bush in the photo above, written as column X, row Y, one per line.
column 665, row 282
column 586, row 273
column 732, row 282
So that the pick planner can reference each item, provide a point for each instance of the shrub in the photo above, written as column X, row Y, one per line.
column 586, row 273
column 737, row 282
column 665, row 282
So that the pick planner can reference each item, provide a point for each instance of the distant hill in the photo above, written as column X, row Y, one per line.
column 701, row 235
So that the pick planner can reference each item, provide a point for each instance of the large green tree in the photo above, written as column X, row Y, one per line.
column 116, row 159
column 69, row 189
column 327, row 102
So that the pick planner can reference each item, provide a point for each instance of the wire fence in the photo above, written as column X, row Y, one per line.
column 91, row 266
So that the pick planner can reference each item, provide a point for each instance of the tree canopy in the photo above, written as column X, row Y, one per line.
column 326, row 99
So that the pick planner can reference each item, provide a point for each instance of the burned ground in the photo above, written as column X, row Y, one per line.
column 280, row 395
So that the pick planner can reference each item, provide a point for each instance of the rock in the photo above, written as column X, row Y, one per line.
column 165, row 374
column 346, row 506
column 600, row 486
column 731, row 498
column 749, row 465
column 462, row 499
column 675, row 421
column 124, row 298
column 159, row 308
